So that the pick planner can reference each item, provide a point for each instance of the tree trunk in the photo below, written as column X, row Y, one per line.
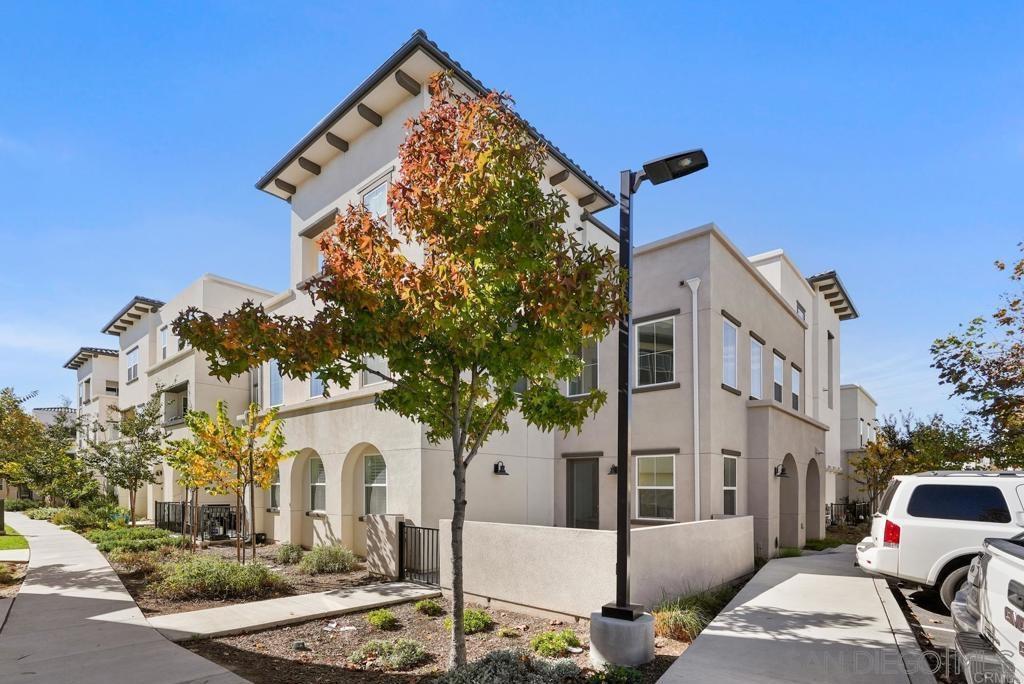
column 252, row 506
column 131, row 506
column 457, row 651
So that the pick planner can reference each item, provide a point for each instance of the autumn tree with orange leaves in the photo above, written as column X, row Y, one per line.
column 477, row 286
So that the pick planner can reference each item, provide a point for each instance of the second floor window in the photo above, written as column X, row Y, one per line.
column 86, row 391
column 376, row 200
column 163, row 342
column 756, row 369
column 655, row 352
column 587, row 379
column 795, row 387
column 276, row 383
column 777, row 375
column 316, row 386
column 132, row 363
column 730, row 359
column 373, row 363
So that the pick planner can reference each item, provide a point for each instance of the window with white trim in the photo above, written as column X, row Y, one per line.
column 317, row 485
column 655, row 352
column 795, row 386
column 587, row 379
column 163, row 342
column 729, row 485
column 316, row 386
column 376, row 201
column 778, row 369
column 730, row 359
column 131, row 359
column 375, row 485
column 373, row 363
column 276, row 383
column 655, row 487
column 275, row 490
column 801, row 311
column 756, row 369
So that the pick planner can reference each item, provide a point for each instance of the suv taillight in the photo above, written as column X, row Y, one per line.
column 891, row 537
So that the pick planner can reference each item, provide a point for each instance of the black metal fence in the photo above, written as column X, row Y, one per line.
column 853, row 513
column 419, row 554
column 215, row 521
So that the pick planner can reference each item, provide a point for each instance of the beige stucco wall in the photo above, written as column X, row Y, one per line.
column 858, row 418
column 572, row 571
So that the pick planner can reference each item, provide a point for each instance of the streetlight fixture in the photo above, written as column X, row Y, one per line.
column 611, row 637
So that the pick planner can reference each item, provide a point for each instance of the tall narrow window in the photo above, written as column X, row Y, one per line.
column 831, row 368
column 655, row 352
column 756, row 369
column 87, row 389
column 373, row 363
column 376, row 200
column 587, row 379
column 375, row 485
column 276, row 383
column 729, row 485
column 317, row 485
column 655, row 487
column 316, row 386
column 801, row 311
column 131, row 360
column 795, row 387
column 860, row 431
column 779, row 368
column 163, row 342
column 275, row 490
column 730, row 359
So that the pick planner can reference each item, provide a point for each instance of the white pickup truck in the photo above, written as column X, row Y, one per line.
column 988, row 614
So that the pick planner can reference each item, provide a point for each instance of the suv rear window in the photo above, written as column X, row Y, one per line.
column 959, row 502
column 890, row 492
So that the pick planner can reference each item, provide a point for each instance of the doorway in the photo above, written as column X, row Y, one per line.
column 582, row 501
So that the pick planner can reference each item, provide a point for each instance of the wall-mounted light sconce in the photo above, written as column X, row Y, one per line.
column 818, row 452
column 780, row 471
column 499, row 468
column 614, row 470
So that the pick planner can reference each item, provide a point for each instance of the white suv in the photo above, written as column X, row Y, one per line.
column 929, row 526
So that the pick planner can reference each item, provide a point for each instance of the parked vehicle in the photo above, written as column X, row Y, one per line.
column 929, row 526
column 988, row 614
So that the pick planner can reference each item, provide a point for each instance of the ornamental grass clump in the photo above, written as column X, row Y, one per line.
column 290, row 554
column 135, row 539
column 388, row 655
column 209, row 577
column 429, row 607
column 42, row 513
column 327, row 559
column 474, row 620
column 684, row 618
column 518, row 665
column 555, row 644
column 145, row 562
column 382, row 618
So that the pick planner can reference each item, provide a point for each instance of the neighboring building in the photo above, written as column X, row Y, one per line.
column 354, row 460
column 98, row 387
column 150, row 361
column 48, row 415
column 859, row 426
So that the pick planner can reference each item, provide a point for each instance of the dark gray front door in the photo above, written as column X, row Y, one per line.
column 583, row 496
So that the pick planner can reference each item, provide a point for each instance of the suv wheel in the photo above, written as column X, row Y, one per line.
column 952, row 584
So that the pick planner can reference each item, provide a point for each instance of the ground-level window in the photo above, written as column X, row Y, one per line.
column 655, row 487
column 655, row 362
column 275, row 489
column 317, row 485
column 756, row 371
column 729, row 485
column 375, row 485
column 587, row 379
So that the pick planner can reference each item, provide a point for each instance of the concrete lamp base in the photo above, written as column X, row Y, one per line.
column 621, row 642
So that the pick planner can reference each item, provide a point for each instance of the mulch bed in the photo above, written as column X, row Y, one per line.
column 137, row 583
column 17, row 571
column 270, row 657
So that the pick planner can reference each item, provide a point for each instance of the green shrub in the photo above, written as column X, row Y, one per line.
column 429, row 607
column 473, row 620
column 508, row 632
column 616, row 674
column 823, row 544
column 5, row 574
column 517, row 666
column 146, row 562
column 394, row 654
column 684, row 618
column 789, row 552
column 289, row 554
column 80, row 519
column 134, row 539
column 327, row 559
column 382, row 618
column 42, row 513
column 210, row 577
column 20, row 504
column 555, row 644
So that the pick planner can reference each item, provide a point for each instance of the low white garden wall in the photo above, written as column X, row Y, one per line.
column 572, row 571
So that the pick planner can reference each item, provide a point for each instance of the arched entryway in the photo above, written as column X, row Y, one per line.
column 789, row 504
column 813, row 514
column 364, row 491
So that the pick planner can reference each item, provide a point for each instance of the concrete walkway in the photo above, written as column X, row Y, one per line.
column 73, row 622
column 257, row 615
column 809, row 619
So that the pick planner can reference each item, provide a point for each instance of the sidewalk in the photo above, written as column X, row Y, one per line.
column 73, row 622
column 257, row 615
column 810, row 619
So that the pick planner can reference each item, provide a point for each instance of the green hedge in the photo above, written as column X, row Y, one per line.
column 209, row 577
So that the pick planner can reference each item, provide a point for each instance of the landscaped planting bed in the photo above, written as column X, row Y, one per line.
column 141, row 576
column 349, row 649
column 11, row 576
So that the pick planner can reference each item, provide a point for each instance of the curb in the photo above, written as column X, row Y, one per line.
column 914, row 662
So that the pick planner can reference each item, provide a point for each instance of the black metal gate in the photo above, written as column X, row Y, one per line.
column 215, row 521
column 419, row 554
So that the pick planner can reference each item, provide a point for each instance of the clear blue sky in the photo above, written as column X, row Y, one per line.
column 885, row 142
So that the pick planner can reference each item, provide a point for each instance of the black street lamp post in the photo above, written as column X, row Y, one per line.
column 657, row 171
